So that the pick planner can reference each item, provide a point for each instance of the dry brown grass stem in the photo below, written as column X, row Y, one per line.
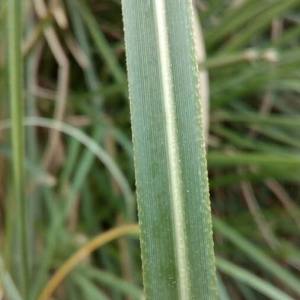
column 258, row 217
column 82, row 253
column 63, row 83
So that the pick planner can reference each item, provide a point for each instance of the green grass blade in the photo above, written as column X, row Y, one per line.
column 7, row 283
column 103, row 46
column 18, row 208
column 33, row 203
column 91, row 79
column 237, row 18
column 222, row 291
column 246, row 291
column 108, row 279
column 280, row 121
column 274, row 161
column 252, row 280
column 89, row 289
column 257, row 255
column 37, row 173
column 171, row 176
column 259, row 24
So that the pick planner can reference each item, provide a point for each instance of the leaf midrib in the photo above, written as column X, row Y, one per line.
column 172, row 149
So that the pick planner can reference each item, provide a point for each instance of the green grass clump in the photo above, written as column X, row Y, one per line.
column 66, row 169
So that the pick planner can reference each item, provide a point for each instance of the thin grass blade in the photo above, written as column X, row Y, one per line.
column 252, row 280
column 17, row 207
column 258, row 256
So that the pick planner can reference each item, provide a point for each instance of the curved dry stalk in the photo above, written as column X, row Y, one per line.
column 63, row 81
column 84, row 252
column 59, row 14
column 77, row 52
column 33, row 37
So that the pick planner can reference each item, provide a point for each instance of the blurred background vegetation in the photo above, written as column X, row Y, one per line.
column 75, row 73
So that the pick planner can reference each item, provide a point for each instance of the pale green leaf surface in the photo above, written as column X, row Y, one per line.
column 170, row 164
